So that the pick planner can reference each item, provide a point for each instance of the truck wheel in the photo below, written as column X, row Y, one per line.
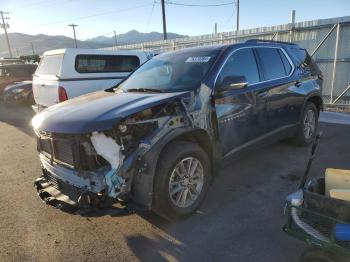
column 181, row 181
column 308, row 127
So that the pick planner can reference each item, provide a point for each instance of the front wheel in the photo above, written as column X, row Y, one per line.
column 181, row 181
column 308, row 127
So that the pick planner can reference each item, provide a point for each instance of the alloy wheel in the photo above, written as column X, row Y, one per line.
column 186, row 182
column 309, row 123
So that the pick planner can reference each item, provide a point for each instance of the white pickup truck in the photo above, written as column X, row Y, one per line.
column 66, row 73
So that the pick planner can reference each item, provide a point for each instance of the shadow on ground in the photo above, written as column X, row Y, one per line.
column 242, row 216
column 240, row 219
column 18, row 116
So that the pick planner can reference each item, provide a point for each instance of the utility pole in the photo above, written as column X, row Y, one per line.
column 5, row 26
column 216, row 28
column 31, row 43
column 75, row 38
column 237, row 22
column 115, row 39
column 292, row 21
column 164, row 21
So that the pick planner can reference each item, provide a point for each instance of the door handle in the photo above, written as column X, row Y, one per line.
column 297, row 84
column 42, row 85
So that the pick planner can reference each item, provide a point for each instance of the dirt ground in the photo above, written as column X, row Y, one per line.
column 240, row 220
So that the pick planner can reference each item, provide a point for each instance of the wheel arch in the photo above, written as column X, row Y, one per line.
column 143, row 183
column 317, row 101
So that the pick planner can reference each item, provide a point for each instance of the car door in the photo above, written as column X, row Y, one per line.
column 283, row 103
column 241, row 113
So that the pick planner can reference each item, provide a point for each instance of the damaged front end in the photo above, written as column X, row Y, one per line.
column 100, row 167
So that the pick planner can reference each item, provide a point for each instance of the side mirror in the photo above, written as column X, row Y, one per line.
column 233, row 82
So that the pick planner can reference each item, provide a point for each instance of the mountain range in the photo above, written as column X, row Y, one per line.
column 21, row 43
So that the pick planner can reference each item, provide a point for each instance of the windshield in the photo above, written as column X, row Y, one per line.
column 171, row 72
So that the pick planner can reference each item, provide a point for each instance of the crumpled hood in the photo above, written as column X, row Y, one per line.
column 97, row 111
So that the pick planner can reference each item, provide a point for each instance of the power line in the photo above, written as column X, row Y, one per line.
column 108, row 33
column 95, row 15
column 227, row 20
column 32, row 4
column 199, row 5
column 58, row 3
column 150, row 16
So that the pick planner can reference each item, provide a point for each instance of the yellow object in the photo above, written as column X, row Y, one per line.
column 342, row 194
column 337, row 179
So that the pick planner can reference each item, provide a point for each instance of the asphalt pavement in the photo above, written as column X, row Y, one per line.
column 240, row 220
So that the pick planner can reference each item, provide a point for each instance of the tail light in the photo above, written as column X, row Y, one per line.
column 62, row 94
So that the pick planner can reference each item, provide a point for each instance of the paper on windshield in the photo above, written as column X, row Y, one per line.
column 197, row 59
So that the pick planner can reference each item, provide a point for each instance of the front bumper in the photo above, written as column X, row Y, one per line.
column 56, row 193
column 64, row 188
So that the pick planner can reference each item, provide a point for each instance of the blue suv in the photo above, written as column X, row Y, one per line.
column 158, row 136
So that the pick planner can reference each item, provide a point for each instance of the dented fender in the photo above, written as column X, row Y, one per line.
column 143, row 181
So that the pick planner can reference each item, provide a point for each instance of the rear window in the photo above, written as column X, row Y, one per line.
column 105, row 63
column 50, row 65
column 302, row 57
column 272, row 63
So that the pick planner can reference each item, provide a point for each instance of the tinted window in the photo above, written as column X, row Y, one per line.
column 106, row 63
column 271, row 63
column 286, row 63
column 50, row 65
column 241, row 63
column 300, row 55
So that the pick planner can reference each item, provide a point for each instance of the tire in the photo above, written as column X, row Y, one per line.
column 175, row 206
column 303, row 138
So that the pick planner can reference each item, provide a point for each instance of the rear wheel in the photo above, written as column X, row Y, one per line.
column 181, row 180
column 308, row 127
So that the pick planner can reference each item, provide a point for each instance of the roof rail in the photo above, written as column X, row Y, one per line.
column 268, row 41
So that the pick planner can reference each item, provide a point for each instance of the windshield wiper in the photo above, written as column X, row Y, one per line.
column 153, row 90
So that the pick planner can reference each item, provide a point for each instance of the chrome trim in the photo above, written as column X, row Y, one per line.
column 259, row 46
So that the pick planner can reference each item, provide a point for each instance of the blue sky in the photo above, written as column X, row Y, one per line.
column 102, row 17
